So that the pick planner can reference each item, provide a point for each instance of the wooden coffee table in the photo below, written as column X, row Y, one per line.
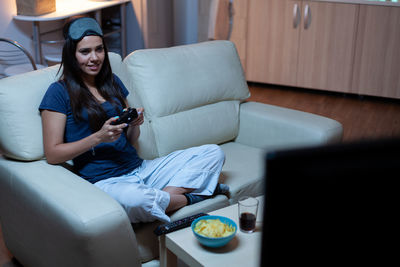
column 242, row 250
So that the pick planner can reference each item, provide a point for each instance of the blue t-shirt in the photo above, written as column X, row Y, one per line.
column 106, row 159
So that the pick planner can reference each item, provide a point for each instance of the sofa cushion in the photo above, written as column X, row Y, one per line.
column 243, row 170
column 213, row 123
column 212, row 73
column 21, row 127
column 175, row 103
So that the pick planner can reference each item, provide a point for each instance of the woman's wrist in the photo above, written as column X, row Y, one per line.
column 133, row 133
column 96, row 140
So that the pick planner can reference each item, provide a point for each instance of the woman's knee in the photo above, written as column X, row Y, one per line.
column 136, row 200
column 146, row 205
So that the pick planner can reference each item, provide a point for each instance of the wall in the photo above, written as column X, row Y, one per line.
column 21, row 31
column 184, row 24
column 15, row 30
column 134, row 36
column 185, row 21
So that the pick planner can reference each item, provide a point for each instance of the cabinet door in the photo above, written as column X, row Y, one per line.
column 377, row 56
column 273, row 34
column 239, row 28
column 326, row 45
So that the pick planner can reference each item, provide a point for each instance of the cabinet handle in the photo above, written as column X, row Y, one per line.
column 307, row 17
column 296, row 15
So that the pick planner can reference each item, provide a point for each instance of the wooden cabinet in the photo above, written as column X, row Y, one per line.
column 377, row 53
column 273, row 39
column 327, row 37
column 301, row 43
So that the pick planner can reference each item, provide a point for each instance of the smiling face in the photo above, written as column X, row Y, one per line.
column 90, row 56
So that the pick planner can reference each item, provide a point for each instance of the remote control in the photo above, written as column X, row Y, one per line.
column 177, row 225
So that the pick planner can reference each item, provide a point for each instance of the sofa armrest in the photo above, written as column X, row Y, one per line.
column 272, row 127
column 52, row 217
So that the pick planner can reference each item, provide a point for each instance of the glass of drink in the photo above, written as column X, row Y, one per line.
column 247, row 207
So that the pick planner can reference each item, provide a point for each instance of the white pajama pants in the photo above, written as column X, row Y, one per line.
column 140, row 191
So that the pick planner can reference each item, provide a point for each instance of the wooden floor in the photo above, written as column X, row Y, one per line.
column 361, row 117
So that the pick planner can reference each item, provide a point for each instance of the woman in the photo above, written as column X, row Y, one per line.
column 77, row 115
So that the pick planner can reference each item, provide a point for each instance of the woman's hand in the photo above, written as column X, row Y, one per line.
column 109, row 133
column 134, row 129
column 140, row 119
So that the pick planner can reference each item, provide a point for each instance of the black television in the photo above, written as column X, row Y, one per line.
column 332, row 205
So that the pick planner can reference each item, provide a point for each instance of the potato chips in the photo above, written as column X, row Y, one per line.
column 213, row 228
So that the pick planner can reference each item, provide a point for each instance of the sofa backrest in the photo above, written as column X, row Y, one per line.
column 20, row 122
column 191, row 95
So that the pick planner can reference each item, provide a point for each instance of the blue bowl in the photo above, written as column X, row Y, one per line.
column 214, row 242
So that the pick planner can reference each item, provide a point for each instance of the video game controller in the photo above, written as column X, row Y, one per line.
column 126, row 116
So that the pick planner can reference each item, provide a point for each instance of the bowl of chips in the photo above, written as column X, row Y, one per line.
column 214, row 231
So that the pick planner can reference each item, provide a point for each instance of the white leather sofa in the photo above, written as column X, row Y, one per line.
column 192, row 95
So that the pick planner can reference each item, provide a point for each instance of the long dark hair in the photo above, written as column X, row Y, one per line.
column 80, row 96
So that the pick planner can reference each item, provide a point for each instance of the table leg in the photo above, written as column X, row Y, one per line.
column 37, row 43
column 167, row 258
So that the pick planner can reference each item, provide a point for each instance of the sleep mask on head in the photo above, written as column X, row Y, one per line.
column 84, row 27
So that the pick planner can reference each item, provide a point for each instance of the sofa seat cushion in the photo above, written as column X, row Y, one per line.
column 243, row 170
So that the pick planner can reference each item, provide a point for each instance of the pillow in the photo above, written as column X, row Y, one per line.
column 21, row 126
column 175, row 79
